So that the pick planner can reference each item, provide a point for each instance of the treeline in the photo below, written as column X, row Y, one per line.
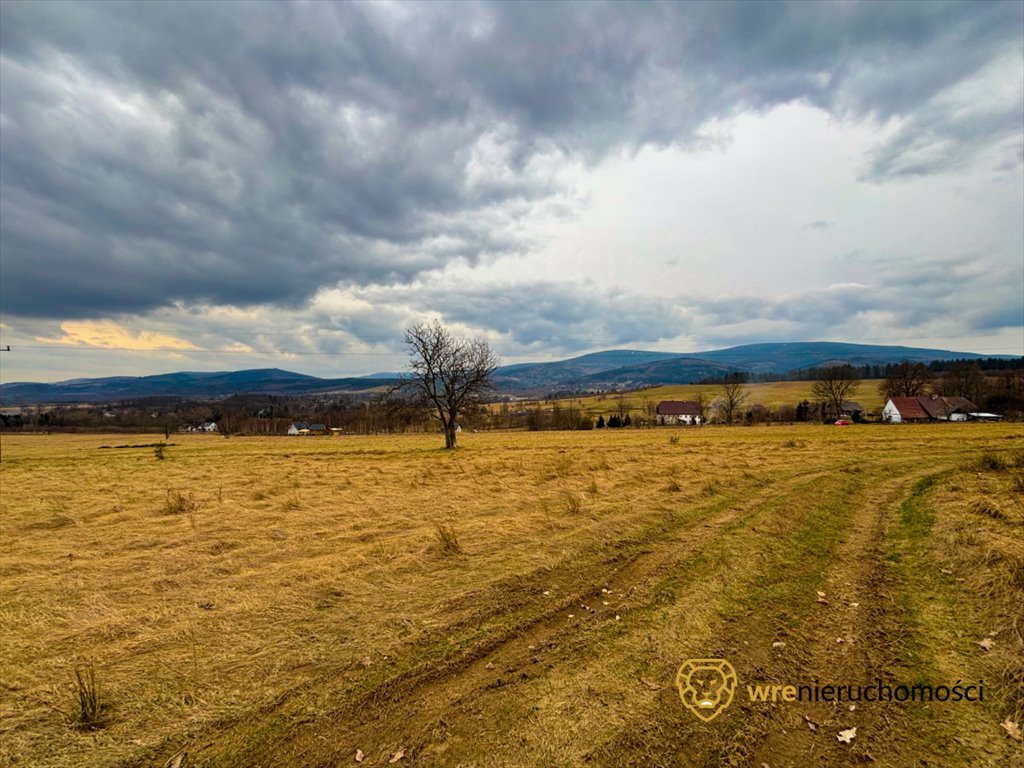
column 990, row 365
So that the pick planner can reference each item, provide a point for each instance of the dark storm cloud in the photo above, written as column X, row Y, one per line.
column 238, row 154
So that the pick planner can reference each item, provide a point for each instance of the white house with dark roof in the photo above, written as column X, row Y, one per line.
column 678, row 412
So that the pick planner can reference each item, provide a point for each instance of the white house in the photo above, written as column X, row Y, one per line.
column 678, row 412
column 298, row 428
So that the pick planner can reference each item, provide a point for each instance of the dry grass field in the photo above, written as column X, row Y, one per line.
column 525, row 600
column 770, row 394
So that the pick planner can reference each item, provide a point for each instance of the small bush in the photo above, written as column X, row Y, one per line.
column 89, row 711
column 179, row 504
column 447, row 540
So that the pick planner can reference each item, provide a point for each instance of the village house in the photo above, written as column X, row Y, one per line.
column 678, row 412
column 302, row 428
column 928, row 408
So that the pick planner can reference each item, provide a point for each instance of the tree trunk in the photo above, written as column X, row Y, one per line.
column 449, row 434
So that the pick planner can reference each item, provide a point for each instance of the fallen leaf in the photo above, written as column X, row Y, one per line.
column 821, row 594
column 1012, row 729
column 546, row 592
column 847, row 736
column 855, row 605
column 840, row 640
column 649, row 684
column 604, row 602
column 359, row 755
column 778, row 644
column 397, row 756
column 572, row 616
column 616, row 617
column 365, row 661
column 987, row 643
column 822, row 601
column 853, row 707
column 946, row 571
column 811, row 724
column 489, row 665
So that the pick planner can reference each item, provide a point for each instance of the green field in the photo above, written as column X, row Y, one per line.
column 526, row 600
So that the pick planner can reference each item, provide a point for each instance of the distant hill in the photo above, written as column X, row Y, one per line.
column 792, row 356
column 676, row 370
column 612, row 369
column 572, row 371
column 186, row 384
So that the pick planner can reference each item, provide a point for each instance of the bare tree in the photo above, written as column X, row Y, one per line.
column 622, row 406
column 963, row 379
column 905, row 379
column 733, row 395
column 702, row 400
column 834, row 385
column 449, row 374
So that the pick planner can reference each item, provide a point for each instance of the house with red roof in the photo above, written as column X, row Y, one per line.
column 927, row 408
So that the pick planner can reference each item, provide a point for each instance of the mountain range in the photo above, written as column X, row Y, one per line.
column 611, row 369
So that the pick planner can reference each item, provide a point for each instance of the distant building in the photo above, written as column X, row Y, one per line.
column 298, row 428
column 928, row 408
column 851, row 409
column 678, row 412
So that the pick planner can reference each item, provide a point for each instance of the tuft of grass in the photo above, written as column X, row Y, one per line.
column 88, row 714
column 674, row 440
column 986, row 508
column 447, row 539
column 673, row 487
column 793, row 444
column 592, row 489
column 710, row 487
column 990, row 462
column 159, row 452
column 573, row 505
column 178, row 503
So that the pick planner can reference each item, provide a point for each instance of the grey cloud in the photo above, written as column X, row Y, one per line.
column 251, row 153
column 819, row 226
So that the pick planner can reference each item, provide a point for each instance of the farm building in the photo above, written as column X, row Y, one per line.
column 302, row 428
column 678, row 412
column 928, row 408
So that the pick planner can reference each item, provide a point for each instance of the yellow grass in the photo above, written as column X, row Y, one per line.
column 271, row 601
column 770, row 394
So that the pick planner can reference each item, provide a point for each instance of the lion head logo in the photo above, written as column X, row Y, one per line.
column 706, row 686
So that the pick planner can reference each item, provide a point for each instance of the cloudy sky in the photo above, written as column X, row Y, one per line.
column 222, row 186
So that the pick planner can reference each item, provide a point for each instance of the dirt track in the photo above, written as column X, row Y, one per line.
column 743, row 573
